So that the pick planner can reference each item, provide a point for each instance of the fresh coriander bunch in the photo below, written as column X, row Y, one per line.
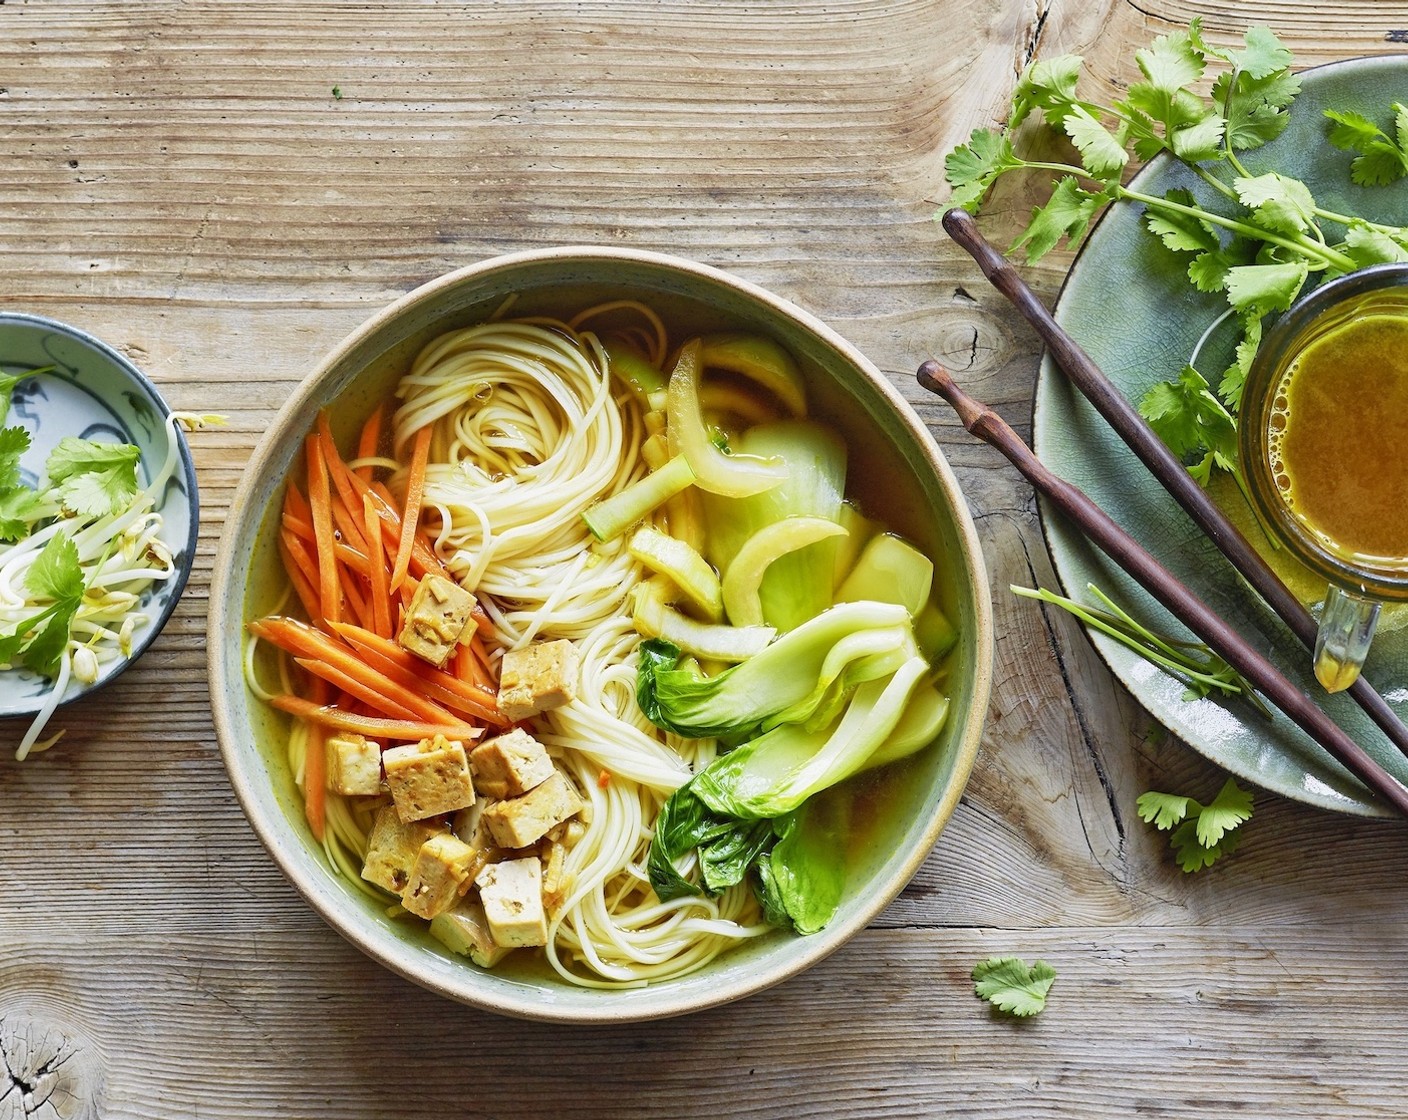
column 1256, row 239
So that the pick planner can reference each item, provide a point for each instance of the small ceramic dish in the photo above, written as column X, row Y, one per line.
column 95, row 393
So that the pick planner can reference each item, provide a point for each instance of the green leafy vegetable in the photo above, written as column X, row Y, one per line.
column 801, row 881
column 1013, row 986
column 789, row 680
column 93, row 479
column 1383, row 156
column 1201, row 834
column 1257, row 239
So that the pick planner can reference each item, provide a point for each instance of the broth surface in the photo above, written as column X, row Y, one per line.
column 1339, row 438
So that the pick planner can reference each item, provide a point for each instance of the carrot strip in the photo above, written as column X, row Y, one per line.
column 486, row 678
column 350, row 527
column 344, row 499
column 296, row 504
column 315, row 771
column 295, row 566
column 320, row 503
column 352, row 583
column 346, row 553
column 379, row 702
column 376, row 569
column 351, row 675
column 423, row 557
column 390, row 659
column 415, row 491
column 370, row 440
column 374, row 727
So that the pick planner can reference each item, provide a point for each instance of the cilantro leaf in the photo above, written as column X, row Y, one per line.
column 972, row 167
column 8, row 383
column 1367, row 245
column 1202, row 834
column 55, row 575
column 1179, row 231
column 1231, row 807
column 1191, row 855
column 14, row 442
column 1260, row 288
column 19, row 509
column 1189, row 418
column 1100, row 152
column 1171, row 62
column 1012, row 986
column 1235, row 375
column 1382, row 158
column 1067, row 213
column 1048, row 87
column 1278, row 202
column 93, row 479
column 1163, row 810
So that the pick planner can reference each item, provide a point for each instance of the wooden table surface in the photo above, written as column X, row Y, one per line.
column 181, row 179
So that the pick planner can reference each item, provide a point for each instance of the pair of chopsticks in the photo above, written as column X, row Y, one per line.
column 1081, row 370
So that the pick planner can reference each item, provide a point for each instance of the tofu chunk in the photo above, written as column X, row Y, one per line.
column 442, row 866
column 537, row 678
column 428, row 778
column 512, row 895
column 354, row 765
column 436, row 620
column 465, row 930
column 510, row 765
column 392, row 849
column 520, row 821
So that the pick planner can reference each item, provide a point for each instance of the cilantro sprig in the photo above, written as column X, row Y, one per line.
column 1257, row 242
column 1201, row 670
column 1201, row 834
column 1012, row 986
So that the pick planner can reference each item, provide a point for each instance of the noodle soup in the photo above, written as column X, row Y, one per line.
column 607, row 925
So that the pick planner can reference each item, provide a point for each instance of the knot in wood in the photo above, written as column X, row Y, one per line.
column 48, row 1071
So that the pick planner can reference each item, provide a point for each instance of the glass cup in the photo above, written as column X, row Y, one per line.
column 1323, row 444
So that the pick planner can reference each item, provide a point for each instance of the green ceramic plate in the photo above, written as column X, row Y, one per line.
column 1127, row 302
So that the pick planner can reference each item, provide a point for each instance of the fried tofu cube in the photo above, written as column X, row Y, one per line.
column 443, row 864
column 354, row 765
column 428, row 778
column 510, row 765
column 512, row 895
column 439, row 614
column 465, row 930
column 519, row 821
column 392, row 849
column 537, row 678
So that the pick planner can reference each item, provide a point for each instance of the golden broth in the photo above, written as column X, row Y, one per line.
column 1338, row 433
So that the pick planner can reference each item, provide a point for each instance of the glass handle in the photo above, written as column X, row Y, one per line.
column 1346, row 629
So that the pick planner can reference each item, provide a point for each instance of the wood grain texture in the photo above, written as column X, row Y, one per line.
column 179, row 179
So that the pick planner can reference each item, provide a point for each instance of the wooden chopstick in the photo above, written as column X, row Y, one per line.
column 1091, row 381
column 988, row 426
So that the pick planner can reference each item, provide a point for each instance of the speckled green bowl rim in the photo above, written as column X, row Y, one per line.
column 555, row 1001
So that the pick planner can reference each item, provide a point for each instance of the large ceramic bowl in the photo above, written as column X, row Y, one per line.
column 93, row 392
column 910, row 487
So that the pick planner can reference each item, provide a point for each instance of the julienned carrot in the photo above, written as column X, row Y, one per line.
column 376, row 569
column 307, row 594
column 344, row 498
column 352, row 557
column 394, row 662
column 315, row 766
column 354, row 602
column 307, row 642
column 320, row 503
column 410, row 516
column 296, row 504
column 423, row 558
column 486, row 668
column 371, row 726
column 378, row 702
column 370, row 440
